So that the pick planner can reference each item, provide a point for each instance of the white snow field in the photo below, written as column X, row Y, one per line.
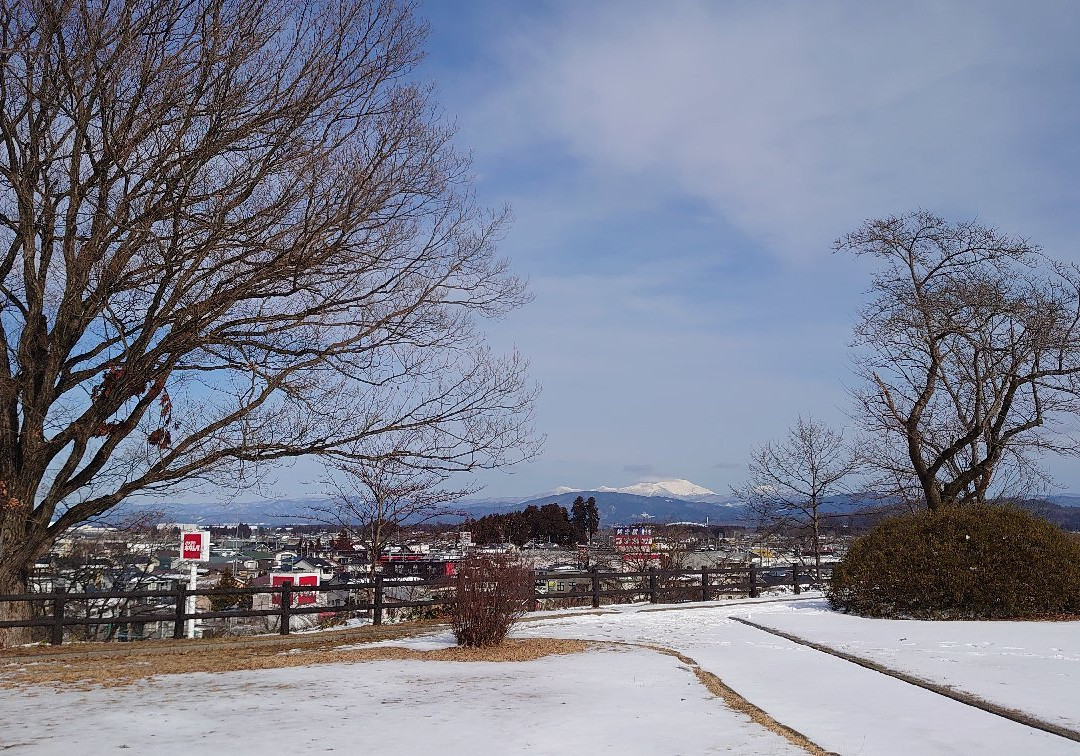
column 1033, row 667
column 619, row 701
column 846, row 708
column 606, row 701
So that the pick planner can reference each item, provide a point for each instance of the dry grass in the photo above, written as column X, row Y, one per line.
column 326, row 638
column 90, row 671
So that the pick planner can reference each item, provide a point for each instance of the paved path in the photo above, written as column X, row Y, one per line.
column 842, row 707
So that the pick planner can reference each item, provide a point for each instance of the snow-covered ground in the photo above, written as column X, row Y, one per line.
column 1030, row 666
column 627, row 700
column 624, row 701
column 840, row 706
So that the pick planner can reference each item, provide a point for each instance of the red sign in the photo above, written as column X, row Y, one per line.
column 195, row 546
column 296, row 579
column 636, row 539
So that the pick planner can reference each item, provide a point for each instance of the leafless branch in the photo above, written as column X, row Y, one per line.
column 970, row 354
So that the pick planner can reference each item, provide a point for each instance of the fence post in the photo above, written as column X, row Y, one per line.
column 376, row 612
column 58, row 619
column 705, row 584
column 753, row 581
column 595, row 587
column 181, row 606
column 286, row 608
column 795, row 578
column 654, row 596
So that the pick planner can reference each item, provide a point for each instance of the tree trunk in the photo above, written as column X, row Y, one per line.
column 817, row 554
column 817, row 546
column 932, row 491
column 13, row 583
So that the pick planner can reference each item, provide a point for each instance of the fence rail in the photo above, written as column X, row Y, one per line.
column 287, row 600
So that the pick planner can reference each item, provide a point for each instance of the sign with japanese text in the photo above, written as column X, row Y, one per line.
column 195, row 546
column 635, row 539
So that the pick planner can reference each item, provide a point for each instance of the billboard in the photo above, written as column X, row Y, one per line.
column 195, row 546
column 635, row 539
column 297, row 580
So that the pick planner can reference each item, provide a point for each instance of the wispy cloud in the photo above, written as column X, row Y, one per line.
column 679, row 170
column 797, row 120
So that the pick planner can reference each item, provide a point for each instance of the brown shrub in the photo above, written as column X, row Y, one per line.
column 490, row 594
column 982, row 562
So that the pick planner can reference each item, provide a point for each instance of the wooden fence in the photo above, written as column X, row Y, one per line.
column 591, row 587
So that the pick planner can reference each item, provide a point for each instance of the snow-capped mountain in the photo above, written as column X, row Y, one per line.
column 676, row 487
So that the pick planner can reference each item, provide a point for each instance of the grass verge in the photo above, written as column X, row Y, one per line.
column 86, row 672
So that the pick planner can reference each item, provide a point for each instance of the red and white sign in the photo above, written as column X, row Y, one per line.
column 195, row 546
column 297, row 580
column 636, row 539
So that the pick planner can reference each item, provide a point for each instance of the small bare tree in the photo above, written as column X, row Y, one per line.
column 970, row 354
column 118, row 557
column 677, row 543
column 374, row 499
column 789, row 480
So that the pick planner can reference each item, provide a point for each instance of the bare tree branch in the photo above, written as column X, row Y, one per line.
column 970, row 351
column 374, row 499
column 789, row 480
column 230, row 234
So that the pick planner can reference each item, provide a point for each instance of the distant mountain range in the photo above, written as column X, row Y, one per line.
column 663, row 501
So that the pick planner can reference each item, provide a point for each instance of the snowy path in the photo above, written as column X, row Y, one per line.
column 1033, row 667
column 840, row 706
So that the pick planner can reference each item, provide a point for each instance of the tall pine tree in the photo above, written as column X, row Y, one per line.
column 592, row 517
column 579, row 517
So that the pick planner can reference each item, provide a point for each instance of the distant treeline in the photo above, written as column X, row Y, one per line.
column 1067, row 518
column 243, row 530
column 550, row 523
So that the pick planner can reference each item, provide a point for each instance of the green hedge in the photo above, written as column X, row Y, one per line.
column 982, row 562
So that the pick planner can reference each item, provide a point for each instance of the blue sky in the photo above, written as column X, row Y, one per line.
column 678, row 171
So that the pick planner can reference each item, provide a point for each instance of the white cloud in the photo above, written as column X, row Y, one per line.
column 797, row 120
column 678, row 170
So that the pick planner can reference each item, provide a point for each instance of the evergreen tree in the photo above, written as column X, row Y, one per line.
column 592, row 517
column 579, row 516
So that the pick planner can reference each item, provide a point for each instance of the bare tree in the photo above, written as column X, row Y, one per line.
column 789, row 481
column 676, row 543
column 970, row 352
column 232, row 234
column 375, row 499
